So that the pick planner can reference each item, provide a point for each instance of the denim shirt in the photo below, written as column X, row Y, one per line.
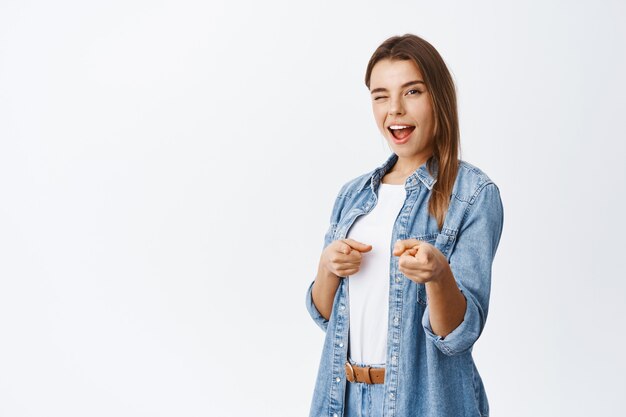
column 426, row 374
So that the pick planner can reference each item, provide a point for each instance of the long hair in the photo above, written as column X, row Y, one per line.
column 440, row 85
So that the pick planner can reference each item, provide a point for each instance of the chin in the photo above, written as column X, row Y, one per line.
column 400, row 150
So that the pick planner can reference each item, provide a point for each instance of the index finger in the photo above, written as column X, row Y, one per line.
column 402, row 245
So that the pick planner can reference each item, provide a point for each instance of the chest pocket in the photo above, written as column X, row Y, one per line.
column 445, row 241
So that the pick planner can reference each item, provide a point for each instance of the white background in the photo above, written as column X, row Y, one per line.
column 167, row 171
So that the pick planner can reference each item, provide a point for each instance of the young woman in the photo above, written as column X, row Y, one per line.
column 402, row 288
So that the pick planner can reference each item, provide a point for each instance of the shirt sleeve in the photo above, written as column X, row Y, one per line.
column 328, row 238
column 470, row 262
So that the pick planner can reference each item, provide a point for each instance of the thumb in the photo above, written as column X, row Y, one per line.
column 361, row 247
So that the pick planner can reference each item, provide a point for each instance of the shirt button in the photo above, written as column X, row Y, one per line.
column 342, row 307
column 391, row 395
column 335, row 415
column 397, row 279
column 337, row 379
column 394, row 359
column 340, row 344
column 396, row 320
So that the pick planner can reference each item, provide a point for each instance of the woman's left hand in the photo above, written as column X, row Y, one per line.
column 420, row 261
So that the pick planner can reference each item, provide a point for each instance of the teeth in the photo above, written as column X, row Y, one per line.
column 396, row 127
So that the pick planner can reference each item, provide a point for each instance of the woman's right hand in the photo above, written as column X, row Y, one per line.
column 343, row 257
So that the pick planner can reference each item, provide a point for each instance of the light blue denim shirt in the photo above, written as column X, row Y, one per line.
column 426, row 375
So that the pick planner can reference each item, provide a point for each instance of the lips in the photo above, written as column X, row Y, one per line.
column 400, row 132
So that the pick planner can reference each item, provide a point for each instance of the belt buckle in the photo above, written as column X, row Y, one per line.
column 350, row 375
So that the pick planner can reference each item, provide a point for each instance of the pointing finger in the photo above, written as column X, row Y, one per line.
column 361, row 247
column 402, row 245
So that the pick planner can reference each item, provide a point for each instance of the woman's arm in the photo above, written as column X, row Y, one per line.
column 469, row 266
column 340, row 258
column 447, row 303
column 323, row 291
column 423, row 263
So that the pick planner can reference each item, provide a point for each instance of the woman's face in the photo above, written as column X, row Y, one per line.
column 402, row 108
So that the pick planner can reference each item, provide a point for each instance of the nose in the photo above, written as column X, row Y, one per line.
column 396, row 107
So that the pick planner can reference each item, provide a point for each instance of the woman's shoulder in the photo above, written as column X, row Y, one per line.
column 470, row 180
column 355, row 184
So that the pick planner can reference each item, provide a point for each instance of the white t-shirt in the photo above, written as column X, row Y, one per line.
column 368, row 289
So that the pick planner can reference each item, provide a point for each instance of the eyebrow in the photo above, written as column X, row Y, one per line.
column 379, row 90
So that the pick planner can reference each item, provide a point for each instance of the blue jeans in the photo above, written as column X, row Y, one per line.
column 364, row 400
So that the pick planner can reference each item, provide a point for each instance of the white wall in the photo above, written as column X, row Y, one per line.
column 167, row 170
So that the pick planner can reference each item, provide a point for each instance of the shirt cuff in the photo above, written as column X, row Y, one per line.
column 315, row 315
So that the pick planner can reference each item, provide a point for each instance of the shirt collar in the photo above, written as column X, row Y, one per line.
column 420, row 174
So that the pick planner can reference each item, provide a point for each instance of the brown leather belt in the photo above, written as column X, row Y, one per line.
column 365, row 374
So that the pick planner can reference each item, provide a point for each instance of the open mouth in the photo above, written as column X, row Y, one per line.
column 401, row 131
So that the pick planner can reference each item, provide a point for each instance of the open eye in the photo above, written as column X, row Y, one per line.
column 413, row 91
